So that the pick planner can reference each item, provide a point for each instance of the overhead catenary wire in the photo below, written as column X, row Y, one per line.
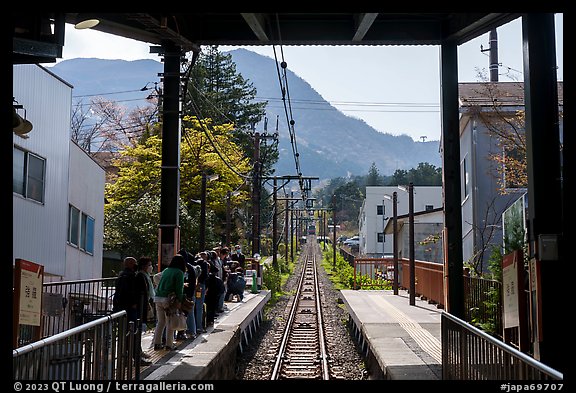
column 285, row 91
column 216, row 150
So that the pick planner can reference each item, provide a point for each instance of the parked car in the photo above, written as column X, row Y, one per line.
column 353, row 241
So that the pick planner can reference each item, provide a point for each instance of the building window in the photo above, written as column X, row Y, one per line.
column 380, row 237
column 73, row 225
column 464, row 179
column 87, row 234
column 80, row 230
column 28, row 175
column 380, row 210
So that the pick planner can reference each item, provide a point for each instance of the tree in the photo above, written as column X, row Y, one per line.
column 106, row 126
column 373, row 178
column 138, row 184
column 507, row 128
column 424, row 175
column 220, row 93
column 215, row 90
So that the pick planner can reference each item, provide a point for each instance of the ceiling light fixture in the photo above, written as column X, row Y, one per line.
column 86, row 22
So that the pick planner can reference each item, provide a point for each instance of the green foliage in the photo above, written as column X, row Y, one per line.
column 342, row 274
column 495, row 264
column 217, row 91
column 220, row 93
column 132, row 201
column 366, row 282
column 350, row 192
column 424, row 175
column 373, row 178
column 491, row 306
column 132, row 226
column 274, row 278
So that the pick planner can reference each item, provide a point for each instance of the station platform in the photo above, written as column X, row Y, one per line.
column 211, row 355
column 400, row 342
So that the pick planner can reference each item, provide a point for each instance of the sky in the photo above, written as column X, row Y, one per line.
column 395, row 89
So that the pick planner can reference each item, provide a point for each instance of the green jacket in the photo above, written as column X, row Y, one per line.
column 172, row 280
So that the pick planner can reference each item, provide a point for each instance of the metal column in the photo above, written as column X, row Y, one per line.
column 453, row 264
column 170, row 187
column 545, row 189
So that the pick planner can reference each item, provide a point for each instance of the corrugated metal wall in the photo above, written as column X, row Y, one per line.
column 86, row 192
column 39, row 230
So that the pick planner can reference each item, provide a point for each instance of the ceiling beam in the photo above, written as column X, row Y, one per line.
column 256, row 23
column 363, row 23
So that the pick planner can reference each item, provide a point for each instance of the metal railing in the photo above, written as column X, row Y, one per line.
column 97, row 350
column 429, row 280
column 483, row 303
column 372, row 273
column 468, row 353
column 348, row 257
column 68, row 304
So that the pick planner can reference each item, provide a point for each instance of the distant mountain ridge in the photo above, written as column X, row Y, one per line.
column 330, row 144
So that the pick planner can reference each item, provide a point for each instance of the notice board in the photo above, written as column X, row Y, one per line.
column 27, row 306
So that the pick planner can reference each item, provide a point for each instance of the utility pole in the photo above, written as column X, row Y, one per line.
column 256, row 197
column 286, row 230
column 257, row 186
column 228, row 219
column 324, row 229
column 292, row 230
column 334, row 232
column 395, row 237
column 411, row 244
column 169, row 230
column 202, row 240
column 275, row 226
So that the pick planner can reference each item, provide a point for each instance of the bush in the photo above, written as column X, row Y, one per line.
column 342, row 273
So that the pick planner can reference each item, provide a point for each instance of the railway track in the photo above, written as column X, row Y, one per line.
column 302, row 351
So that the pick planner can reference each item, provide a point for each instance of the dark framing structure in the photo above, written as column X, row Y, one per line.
column 39, row 38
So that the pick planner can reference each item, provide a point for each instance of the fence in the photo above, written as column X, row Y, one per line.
column 97, row 350
column 348, row 257
column 470, row 354
column 482, row 303
column 429, row 280
column 373, row 273
column 68, row 304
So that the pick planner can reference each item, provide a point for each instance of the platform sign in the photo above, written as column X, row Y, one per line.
column 512, row 265
column 28, row 282
column 31, row 278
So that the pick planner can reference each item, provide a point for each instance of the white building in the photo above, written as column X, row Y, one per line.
column 376, row 211
column 428, row 227
column 58, row 190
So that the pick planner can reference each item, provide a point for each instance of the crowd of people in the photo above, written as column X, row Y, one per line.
column 203, row 281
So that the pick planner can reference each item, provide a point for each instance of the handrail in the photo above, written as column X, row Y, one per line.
column 68, row 333
column 76, row 282
column 511, row 350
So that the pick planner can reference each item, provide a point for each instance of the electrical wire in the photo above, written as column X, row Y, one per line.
column 283, row 81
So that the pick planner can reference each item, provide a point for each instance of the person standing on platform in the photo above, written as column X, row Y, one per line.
column 238, row 256
column 214, row 289
column 145, row 289
column 127, row 298
column 172, row 281
column 202, row 261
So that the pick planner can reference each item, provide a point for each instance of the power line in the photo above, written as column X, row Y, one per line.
column 288, row 106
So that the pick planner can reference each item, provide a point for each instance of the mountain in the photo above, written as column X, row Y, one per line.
column 118, row 80
column 329, row 143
